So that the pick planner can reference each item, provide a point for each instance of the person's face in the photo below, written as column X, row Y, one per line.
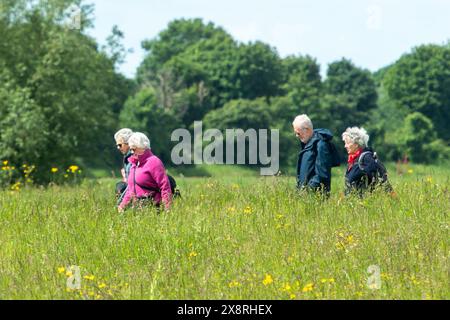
column 137, row 151
column 350, row 146
column 122, row 146
column 303, row 133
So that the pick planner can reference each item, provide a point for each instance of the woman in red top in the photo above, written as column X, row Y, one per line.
column 361, row 168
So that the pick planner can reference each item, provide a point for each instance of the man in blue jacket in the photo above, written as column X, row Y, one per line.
column 316, row 156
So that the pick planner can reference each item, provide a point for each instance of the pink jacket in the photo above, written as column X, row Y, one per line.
column 149, row 171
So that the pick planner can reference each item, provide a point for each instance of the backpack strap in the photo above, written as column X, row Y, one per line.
column 360, row 159
column 148, row 188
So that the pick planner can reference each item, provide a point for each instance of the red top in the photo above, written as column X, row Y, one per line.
column 352, row 158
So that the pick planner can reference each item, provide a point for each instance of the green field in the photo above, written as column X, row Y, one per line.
column 234, row 235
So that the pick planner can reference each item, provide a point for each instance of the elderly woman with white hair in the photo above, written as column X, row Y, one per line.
column 147, row 180
column 121, row 137
column 361, row 168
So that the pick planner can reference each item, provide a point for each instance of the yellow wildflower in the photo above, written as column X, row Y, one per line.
column 69, row 273
column 61, row 269
column 54, row 170
column 102, row 285
column 268, row 280
column 234, row 284
column 89, row 277
column 308, row 287
column 5, row 163
column 286, row 287
column 231, row 209
column 292, row 296
column 248, row 210
column 73, row 168
column 193, row 254
column 410, row 171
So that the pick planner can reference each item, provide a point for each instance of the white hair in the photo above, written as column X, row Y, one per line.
column 123, row 134
column 302, row 121
column 357, row 135
column 139, row 140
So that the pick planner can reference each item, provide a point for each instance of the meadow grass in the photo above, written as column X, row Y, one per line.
column 233, row 235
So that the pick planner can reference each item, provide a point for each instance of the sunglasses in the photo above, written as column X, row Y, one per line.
column 119, row 145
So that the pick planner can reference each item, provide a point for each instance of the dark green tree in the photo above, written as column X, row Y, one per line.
column 419, row 141
column 349, row 96
column 420, row 82
column 143, row 114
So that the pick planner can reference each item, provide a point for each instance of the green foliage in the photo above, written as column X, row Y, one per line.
column 143, row 114
column 259, row 71
column 177, row 38
column 63, row 92
column 419, row 140
column 303, row 84
column 419, row 81
column 242, row 114
column 350, row 95
column 24, row 130
column 209, row 64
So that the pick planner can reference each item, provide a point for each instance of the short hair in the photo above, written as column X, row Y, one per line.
column 302, row 121
column 123, row 134
column 357, row 135
column 139, row 140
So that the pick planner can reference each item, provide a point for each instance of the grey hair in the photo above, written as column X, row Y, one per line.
column 302, row 121
column 357, row 135
column 139, row 140
column 123, row 134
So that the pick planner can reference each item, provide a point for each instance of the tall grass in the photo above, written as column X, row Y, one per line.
column 229, row 237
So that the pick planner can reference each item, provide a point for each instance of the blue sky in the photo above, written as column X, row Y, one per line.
column 372, row 33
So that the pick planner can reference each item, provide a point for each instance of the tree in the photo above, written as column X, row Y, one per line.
column 259, row 71
column 420, row 82
column 143, row 114
column 241, row 113
column 419, row 140
column 61, row 78
column 24, row 130
column 350, row 95
column 176, row 39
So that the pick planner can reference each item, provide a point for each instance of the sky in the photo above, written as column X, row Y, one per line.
column 371, row 33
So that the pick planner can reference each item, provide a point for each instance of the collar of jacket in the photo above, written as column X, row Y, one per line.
column 142, row 158
column 126, row 158
column 309, row 144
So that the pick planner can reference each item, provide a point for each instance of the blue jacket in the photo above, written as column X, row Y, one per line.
column 358, row 179
column 314, row 162
column 126, row 167
column 127, row 163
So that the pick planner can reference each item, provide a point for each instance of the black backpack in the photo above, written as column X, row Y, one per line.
column 173, row 187
column 380, row 177
column 335, row 159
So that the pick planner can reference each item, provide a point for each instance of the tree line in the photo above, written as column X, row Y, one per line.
column 62, row 97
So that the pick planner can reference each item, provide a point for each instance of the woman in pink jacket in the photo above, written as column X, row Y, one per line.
column 147, row 178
